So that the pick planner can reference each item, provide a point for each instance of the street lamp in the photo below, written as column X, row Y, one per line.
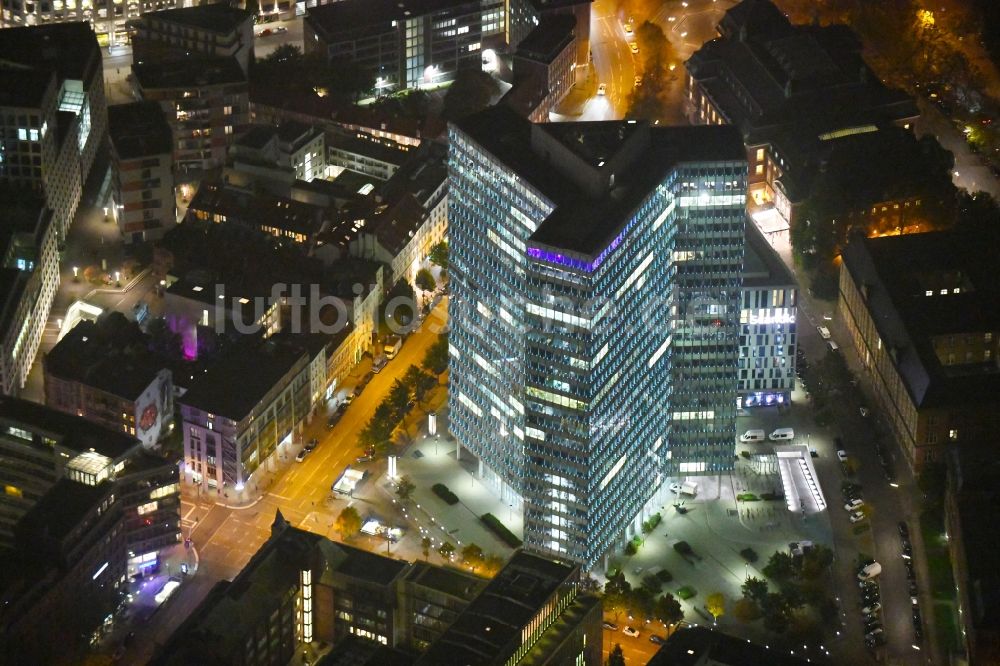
column 118, row 278
column 76, row 274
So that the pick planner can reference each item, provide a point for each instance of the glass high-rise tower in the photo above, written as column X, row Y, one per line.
column 595, row 273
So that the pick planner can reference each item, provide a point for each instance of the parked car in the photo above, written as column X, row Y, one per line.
column 874, row 632
column 857, row 516
column 914, row 590
column 904, row 530
column 870, row 571
column 629, row 631
column 782, row 434
column 854, row 505
column 363, row 459
column 907, row 551
column 633, row 47
column 753, row 436
column 824, row 332
column 872, row 609
column 841, row 455
column 657, row 639
column 311, row 445
column 610, row 626
column 872, row 626
column 302, row 455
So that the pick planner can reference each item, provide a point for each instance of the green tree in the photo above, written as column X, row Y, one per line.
column 780, row 566
column 776, row 612
column 425, row 547
column 715, row 604
column 284, row 53
column 667, row 609
column 746, row 610
column 616, row 657
column 755, row 588
column 436, row 358
column 641, row 603
column 472, row 555
column 471, row 91
column 348, row 523
column 425, row 280
column 616, row 583
column 405, row 488
column 439, row 254
column 446, row 551
column 425, row 383
column 816, row 561
column 398, row 396
column 412, row 375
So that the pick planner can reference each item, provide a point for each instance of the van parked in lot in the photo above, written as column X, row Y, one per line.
column 870, row 571
column 753, row 436
column 782, row 434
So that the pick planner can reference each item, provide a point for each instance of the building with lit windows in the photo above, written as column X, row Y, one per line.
column 595, row 276
column 212, row 30
column 142, row 160
column 29, row 277
column 923, row 314
column 298, row 588
column 768, row 333
column 53, row 114
column 421, row 43
column 532, row 612
column 105, row 372
column 241, row 410
column 83, row 508
column 786, row 87
column 545, row 68
column 205, row 101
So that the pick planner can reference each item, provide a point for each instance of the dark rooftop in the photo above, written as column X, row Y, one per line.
column 139, row 129
column 71, row 432
column 111, row 354
column 257, row 210
column 234, row 384
column 453, row 582
column 762, row 267
column 557, row 158
column 694, row 646
column 765, row 74
column 61, row 509
column 497, row 616
column 23, row 87
column 548, row 39
column 898, row 272
column 357, row 651
column 68, row 49
column 188, row 73
column 218, row 17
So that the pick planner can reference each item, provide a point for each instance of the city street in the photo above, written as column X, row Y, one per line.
column 226, row 537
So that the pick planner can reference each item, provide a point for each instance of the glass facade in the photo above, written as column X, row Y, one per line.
column 582, row 381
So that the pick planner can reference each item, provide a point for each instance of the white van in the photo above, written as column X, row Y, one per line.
column 781, row 434
column 870, row 571
column 753, row 436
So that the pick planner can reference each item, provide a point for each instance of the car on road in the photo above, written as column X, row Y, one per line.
column 627, row 27
column 311, row 445
column 841, row 455
column 853, row 505
column 857, row 516
column 824, row 332
column 904, row 529
column 870, row 571
column 363, row 459
column 610, row 626
column 906, row 551
column 656, row 639
column 348, row 399
column 633, row 47
column 872, row 609
column 637, row 82
column 302, row 455
column 629, row 631
column 864, row 411
column 602, row 89
column 874, row 632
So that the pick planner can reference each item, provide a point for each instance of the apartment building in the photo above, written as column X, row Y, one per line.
column 217, row 30
column 142, row 160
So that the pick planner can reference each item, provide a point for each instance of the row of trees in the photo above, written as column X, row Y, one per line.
column 643, row 602
column 649, row 100
column 417, row 383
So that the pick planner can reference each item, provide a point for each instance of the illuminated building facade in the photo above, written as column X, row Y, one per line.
column 768, row 335
column 83, row 508
column 595, row 276
column 419, row 44
column 53, row 113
